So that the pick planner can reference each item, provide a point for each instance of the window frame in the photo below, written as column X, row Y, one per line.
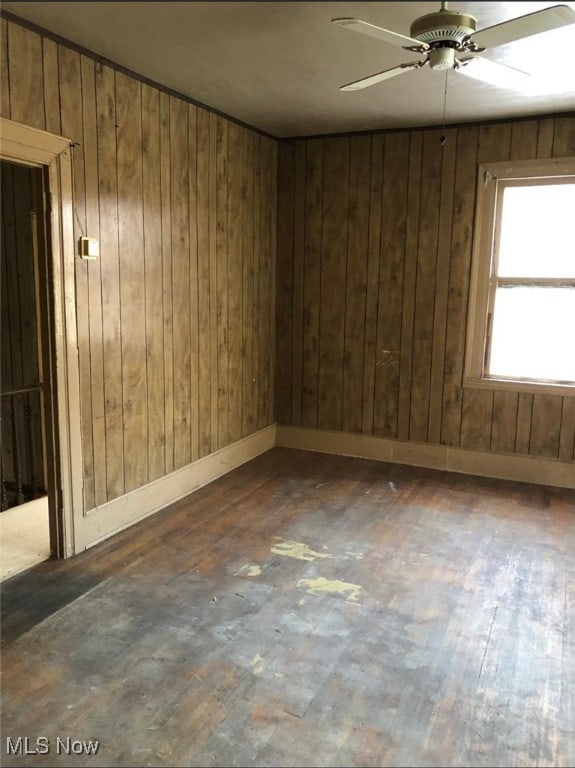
column 491, row 179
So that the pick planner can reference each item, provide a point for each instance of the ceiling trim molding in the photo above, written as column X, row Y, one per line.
column 13, row 18
column 432, row 127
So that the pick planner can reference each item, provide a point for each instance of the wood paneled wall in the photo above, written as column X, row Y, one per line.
column 176, row 318
column 177, row 321
column 374, row 252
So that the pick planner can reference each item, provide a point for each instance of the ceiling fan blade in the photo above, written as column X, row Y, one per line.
column 524, row 26
column 493, row 72
column 387, row 74
column 365, row 28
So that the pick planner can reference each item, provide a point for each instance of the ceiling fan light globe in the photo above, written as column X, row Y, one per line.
column 442, row 58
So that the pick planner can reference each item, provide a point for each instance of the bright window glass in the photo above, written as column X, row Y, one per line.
column 537, row 231
column 533, row 334
column 533, row 319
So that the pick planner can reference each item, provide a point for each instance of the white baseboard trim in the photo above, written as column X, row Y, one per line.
column 528, row 469
column 104, row 521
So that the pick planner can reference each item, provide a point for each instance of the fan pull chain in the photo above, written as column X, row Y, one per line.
column 443, row 137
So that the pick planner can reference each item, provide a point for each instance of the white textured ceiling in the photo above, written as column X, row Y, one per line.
column 278, row 65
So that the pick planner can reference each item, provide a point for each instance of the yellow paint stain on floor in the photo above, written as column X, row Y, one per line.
column 250, row 570
column 297, row 550
column 315, row 586
column 257, row 664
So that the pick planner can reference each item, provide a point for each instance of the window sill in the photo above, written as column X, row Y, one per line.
column 519, row 385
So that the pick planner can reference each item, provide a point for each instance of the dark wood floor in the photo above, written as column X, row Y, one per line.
column 308, row 610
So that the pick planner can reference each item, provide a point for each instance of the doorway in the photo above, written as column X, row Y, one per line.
column 50, row 156
column 24, row 374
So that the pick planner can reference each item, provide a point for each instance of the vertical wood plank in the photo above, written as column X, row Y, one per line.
column 132, row 280
column 204, row 323
column 51, row 86
column 32, row 321
column 545, row 137
column 311, row 282
column 390, row 283
column 476, row 419
column 151, row 173
column 448, row 161
column 460, row 263
column 567, row 435
column 563, row 136
column 222, row 278
column 18, row 236
column 409, row 284
column 213, row 241
column 285, row 256
column 333, row 271
column 110, row 277
column 267, row 281
column 524, row 139
column 8, row 234
column 12, row 342
column 272, row 207
column 356, row 283
column 4, row 71
column 22, row 312
column 37, row 342
column 235, row 282
column 504, row 424
column 298, row 282
column 72, row 126
column 545, row 427
column 71, row 118
column 94, row 279
column 257, row 311
column 179, row 174
column 247, row 282
column 425, row 287
column 193, row 298
column 372, row 288
column 524, row 415
column 26, row 80
column 168, row 329
column 8, row 333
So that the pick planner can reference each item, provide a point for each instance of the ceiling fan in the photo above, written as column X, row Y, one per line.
column 445, row 34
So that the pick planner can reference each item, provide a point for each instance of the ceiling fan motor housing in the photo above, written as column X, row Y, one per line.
column 444, row 29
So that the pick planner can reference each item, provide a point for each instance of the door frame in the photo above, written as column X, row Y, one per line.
column 30, row 146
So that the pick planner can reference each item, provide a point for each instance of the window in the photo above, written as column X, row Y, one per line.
column 521, row 332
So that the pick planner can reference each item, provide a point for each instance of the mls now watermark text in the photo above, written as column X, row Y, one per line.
column 22, row 745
